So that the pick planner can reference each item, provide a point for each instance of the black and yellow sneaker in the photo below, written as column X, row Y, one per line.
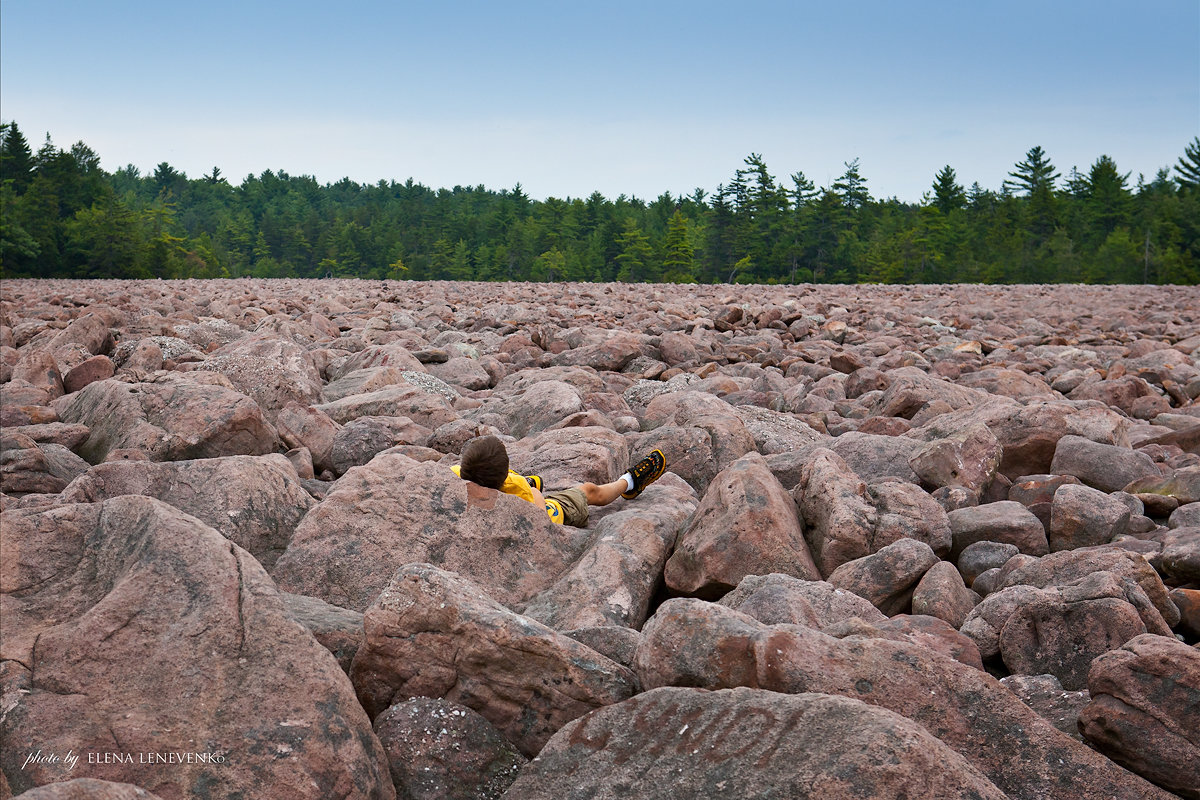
column 535, row 481
column 646, row 472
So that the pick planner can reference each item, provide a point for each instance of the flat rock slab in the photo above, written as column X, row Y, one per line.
column 679, row 744
column 692, row 643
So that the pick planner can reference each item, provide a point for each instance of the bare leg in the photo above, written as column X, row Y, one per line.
column 603, row 494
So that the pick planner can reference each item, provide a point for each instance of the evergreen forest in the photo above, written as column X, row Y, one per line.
column 63, row 216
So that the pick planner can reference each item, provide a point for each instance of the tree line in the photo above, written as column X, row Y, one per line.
column 62, row 215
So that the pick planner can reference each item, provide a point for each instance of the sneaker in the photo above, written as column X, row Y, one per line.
column 535, row 481
column 645, row 472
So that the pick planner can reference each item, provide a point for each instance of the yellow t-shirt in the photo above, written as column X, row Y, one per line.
column 515, row 484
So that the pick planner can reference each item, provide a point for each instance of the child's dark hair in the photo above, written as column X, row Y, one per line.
column 485, row 461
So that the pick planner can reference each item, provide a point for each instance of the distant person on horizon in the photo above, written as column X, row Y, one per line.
column 485, row 462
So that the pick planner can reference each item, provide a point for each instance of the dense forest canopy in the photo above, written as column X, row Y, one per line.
column 62, row 215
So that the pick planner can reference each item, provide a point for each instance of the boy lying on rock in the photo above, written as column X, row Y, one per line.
column 485, row 461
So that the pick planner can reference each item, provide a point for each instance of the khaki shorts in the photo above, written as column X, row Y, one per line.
column 572, row 504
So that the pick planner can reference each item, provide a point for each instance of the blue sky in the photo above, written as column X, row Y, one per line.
column 618, row 97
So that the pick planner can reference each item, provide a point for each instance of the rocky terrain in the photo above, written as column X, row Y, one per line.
column 935, row 541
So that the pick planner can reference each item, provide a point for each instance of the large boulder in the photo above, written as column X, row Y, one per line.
column 1104, row 466
column 1119, row 393
column 1063, row 628
column 782, row 599
column 612, row 353
column 339, row 630
column 1036, row 492
column 968, row 458
column 888, row 577
column 440, row 750
column 536, row 408
column 466, row 373
column 254, row 501
column 1067, row 566
column 876, row 457
column 394, row 511
column 361, row 381
column 65, row 434
column 697, row 452
column 910, row 389
column 1144, row 712
column 39, row 369
column 361, row 439
column 272, row 370
column 1180, row 556
column 1045, row 695
column 305, row 426
column 570, row 456
column 942, row 593
column 1182, row 484
column 836, row 510
column 131, row 626
column 431, row 633
column 689, row 642
column 699, row 434
column 747, row 524
column 425, row 408
column 905, row 511
column 1081, row 516
column 392, row 355
column 614, row 580
column 777, row 432
column 170, row 420
column 925, row 631
column 29, row 467
column 1007, row 522
column 682, row 743
column 978, row 558
column 90, row 331
column 1006, row 383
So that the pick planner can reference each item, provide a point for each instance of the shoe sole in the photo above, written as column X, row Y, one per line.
column 651, row 479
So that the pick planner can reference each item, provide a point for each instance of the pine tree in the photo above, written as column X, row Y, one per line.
column 852, row 187
column 1035, row 176
column 948, row 194
column 679, row 263
column 636, row 255
column 1106, row 197
column 16, row 159
column 1188, row 166
column 803, row 190
column 1034, row 173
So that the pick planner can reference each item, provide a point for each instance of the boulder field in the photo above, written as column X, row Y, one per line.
column 912, row 541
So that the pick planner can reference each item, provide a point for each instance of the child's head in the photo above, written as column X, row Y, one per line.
column 485, row 461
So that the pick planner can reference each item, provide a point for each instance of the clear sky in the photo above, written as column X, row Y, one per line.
column 615, row 96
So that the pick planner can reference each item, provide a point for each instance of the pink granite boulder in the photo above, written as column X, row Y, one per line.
column 746, row 525
column 431, row 633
